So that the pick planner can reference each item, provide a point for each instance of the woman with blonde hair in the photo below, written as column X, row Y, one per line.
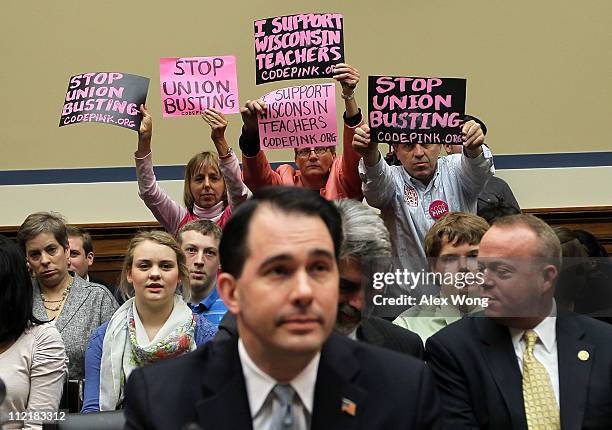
column 213, row 181
column 153, row 324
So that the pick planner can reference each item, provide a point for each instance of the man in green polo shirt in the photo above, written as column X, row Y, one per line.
column 451, row 247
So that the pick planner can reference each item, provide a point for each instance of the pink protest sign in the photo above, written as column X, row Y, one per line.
column 191, row 85
column 297, row 117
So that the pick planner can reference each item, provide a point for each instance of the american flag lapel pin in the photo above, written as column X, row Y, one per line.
column 348, row 406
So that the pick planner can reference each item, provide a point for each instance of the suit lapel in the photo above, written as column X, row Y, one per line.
column 77, row 296
column 37, row 308
column 500, row 356
column 224, row 402
column 369, row 334
column 335, row 385
column 574, row 373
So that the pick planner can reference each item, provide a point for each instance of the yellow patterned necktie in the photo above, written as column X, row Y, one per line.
column 541, row 407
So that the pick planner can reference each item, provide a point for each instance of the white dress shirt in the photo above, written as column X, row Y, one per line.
column 263, row 403
column 545, row 349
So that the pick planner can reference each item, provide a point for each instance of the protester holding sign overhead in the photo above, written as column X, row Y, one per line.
column 335, row 176
column 414, row 195
column 213, row 183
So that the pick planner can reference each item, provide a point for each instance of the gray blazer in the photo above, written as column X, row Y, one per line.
column 87, row 306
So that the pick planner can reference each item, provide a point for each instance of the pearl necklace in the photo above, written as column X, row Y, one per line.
column 60, row 301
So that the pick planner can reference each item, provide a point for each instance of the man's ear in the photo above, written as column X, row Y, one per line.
column 227, row 287
column 90, row 258
column 549, row 276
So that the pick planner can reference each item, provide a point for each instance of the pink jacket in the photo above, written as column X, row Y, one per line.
column 343, row 180
column 173, row 216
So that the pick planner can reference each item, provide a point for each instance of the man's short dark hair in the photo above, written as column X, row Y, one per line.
column 233, row 249
column 203, row 226
column 74, row 231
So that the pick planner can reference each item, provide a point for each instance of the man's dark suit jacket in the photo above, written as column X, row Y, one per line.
column 480, row 380
column 380, row 332
column 207, row 387
column 373, row 330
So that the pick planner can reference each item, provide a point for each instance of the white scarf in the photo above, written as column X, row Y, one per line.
column 116, row 366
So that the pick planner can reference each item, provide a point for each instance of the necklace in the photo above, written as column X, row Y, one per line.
column 59, row 302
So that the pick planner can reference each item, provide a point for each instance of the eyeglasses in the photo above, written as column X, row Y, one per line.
column 305, row 152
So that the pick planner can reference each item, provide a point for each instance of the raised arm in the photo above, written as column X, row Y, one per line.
column 476, row 163
column 256, row 169
column 237, row 192
column 348, row 77
column 164, row 209
column 378, row 182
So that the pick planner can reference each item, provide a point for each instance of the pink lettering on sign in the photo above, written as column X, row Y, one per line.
column 438, row 208
column 191, row 85
column 416, row 110
column 298, row 117
column 105, row 97
column 298, row 46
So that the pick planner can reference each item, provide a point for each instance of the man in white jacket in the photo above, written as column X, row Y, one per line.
column 411, row 197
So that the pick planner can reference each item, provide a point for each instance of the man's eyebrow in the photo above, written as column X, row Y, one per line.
column 287, row 257
column 322, row 253
column 495, row 262
column 276, row 259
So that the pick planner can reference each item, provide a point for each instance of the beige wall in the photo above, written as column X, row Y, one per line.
column 538, row 71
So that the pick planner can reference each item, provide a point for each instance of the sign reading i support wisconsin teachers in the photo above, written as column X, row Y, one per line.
column 298, row 46
column 297, row 117
column 416, row 110
column 191, row 85
column 107, row 97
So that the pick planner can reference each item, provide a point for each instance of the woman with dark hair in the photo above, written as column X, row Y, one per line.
column 75, row 306
column 32, row 355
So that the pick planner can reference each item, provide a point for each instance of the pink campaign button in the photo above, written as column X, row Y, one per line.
column 437, row 208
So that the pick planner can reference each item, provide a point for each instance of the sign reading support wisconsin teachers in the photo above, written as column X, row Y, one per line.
column 106, row 97
column 416, row 110
column 298, row 46
column 191, row 85
column 297, row 117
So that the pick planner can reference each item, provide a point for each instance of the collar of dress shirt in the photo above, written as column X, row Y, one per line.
column 418, row 184
column 448, row 313
column 546, row 331
column 259, row 384
column 207, row 302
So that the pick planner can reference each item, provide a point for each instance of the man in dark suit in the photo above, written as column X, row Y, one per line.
column 366, row 245
column 522, row 365
column 82, row 258
column 365, row 240
column 280, row 277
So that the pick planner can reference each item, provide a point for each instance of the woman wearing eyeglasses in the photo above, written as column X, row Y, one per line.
column 335, row 176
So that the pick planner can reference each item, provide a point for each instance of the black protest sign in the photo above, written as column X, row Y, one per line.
column 416, row 110
column 301, row 46
column 107, row 97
